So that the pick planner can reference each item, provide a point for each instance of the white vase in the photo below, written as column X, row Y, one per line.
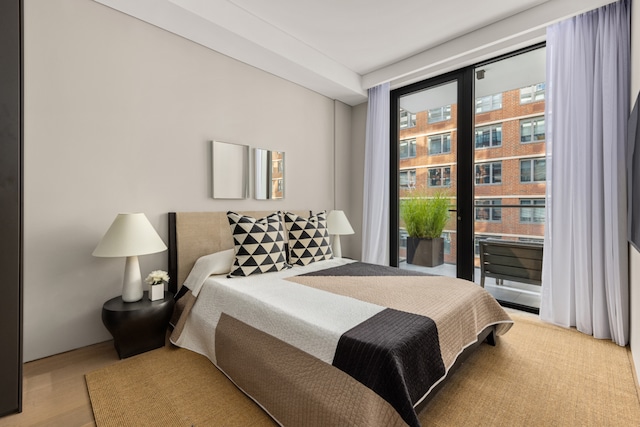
column 156, row 292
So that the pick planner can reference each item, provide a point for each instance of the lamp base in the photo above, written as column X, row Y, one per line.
column 132, row 283
column 336, row 247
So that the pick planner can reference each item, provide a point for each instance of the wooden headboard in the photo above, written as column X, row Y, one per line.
column 195, row 234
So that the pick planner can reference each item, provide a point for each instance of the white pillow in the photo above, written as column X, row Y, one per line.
column 205, row 266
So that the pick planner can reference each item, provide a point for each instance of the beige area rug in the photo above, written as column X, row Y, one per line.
column 540, row 375
column 537, row 375
column 169, row 387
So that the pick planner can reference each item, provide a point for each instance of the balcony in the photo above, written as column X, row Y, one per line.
column 511, row 294
column 508, row 219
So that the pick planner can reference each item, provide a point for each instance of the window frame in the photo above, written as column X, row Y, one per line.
column 409, row 172
column 491, row 133
column 411, row 119
column 532, row 207
column 410, row 142
column 532, row 162
column 492, row 210
column 441, row 137
column 532, row 121
column 534, row 91
column 444, row 114
column 441, row 178
column 491, row 173
column 495, row 103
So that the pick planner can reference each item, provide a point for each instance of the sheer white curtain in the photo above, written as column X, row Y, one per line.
column 375, row 215
column 585, row 275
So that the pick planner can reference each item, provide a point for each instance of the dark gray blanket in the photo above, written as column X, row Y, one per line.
column 394, row 353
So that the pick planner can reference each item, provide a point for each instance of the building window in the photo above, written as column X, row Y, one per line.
column 532, row 214
column 446, row 236
column 532, row 130
column 532, row 93
column 533, row 170
column 407, row 119
column 489, row 103
column 440, row 144
column 489, row 136
column 402, row 237
column 440, row 114
column 408, row 179
column 489, row 173
column 407, row 148
column 439, row 177
column 484, row 211
column 278, row 166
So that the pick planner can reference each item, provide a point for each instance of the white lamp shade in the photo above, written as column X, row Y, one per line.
column 130, row 234
column 337, row 223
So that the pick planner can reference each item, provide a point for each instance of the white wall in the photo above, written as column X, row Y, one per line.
column 634, row 256
column 118, row 115
column 350, row 141
column 343, row 171
column 358, row 134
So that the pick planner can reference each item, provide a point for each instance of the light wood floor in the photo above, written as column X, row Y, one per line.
column 54, row 390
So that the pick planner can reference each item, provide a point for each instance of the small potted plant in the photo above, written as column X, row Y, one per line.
column 156, row 280
column 424, row 217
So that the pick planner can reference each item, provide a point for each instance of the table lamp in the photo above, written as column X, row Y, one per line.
column 130, row 235
column 338, row 224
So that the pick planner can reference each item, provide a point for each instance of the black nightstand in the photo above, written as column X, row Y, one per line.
column 138, row 326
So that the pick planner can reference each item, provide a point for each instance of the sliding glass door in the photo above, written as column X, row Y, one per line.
column 431, row 156
column 474, row 137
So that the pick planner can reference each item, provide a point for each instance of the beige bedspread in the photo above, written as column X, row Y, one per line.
column 297, row 387
column 461, row 309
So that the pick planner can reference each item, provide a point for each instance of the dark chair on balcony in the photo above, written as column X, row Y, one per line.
column 511, row 260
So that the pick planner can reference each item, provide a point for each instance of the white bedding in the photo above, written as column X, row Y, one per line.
column 309, row 319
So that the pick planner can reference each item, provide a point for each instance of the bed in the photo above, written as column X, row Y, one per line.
column 329, row 341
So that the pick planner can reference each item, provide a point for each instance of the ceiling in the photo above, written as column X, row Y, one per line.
column 340, row 48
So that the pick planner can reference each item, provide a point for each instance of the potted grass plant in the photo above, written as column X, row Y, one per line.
column 424, row 217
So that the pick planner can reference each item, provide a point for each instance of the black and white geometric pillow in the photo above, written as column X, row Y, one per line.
column 308, row 238
column 259, row 244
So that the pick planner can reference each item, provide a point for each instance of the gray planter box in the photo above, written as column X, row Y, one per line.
column 425, row 252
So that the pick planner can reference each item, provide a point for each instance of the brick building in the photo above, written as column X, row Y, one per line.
column 277, row 175
column 509, row 163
